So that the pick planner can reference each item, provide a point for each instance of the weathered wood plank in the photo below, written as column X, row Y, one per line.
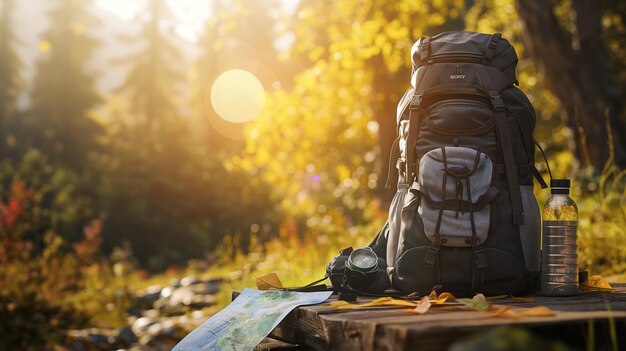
column 321, row 327
column 383, row 328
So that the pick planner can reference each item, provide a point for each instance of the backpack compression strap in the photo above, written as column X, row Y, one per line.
column 504, row 136
column 415, row 119
column 490, row 51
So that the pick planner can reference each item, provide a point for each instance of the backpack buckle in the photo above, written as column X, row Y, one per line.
column 497, row 102
column 480, row 256
column 416, row 100
column 430, row 258
column 401, row 164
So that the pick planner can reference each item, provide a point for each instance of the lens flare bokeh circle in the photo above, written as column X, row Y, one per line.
column 237, row 96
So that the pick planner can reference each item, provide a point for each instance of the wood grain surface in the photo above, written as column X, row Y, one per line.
column 320, row 327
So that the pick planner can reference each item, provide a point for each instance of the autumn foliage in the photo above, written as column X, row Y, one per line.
column 101, row 189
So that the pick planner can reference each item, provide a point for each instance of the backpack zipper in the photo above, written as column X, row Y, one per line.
column 460, row 102
column 456, row 57
column 469, row 58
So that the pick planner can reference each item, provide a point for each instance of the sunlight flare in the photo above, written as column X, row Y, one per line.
column 237, row 96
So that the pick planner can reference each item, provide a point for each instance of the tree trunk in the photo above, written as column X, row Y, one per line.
column 576, row 71
column 386, row 118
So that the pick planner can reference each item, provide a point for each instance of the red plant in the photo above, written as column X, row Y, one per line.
column 14, row 207
column 87, row 248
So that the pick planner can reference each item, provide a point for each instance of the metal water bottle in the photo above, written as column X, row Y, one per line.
column 559, row 258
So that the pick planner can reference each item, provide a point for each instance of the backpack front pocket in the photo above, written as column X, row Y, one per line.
column 455, row 188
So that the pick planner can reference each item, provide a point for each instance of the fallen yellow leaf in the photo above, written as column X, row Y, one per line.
column 423, row 305
column 438, row 301
column 382, row 301
column 343, row 305
column 591, row 288
column 446, row 295
column 539, row 311
column 269, row 281
column 433, row 295
column 510, row 314
column 500, row 311
column 388, row 301
column 597, row 281
column 505, row 312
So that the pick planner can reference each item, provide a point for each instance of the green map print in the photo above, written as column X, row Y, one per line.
column 247, row 320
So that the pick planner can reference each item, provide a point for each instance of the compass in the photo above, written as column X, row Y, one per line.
column 363, row 260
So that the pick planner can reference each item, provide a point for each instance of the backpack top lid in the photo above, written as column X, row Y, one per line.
column 488, row 49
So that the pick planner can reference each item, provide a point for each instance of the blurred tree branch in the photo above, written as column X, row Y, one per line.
column 576, row 69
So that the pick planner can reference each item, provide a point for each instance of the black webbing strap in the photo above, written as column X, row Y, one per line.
column 504, row 137
column 312, row 286
column 415, row 119
column 539, row 178
column 536, row 172
column 461, row 205
column 480, row 256
column 490, row 51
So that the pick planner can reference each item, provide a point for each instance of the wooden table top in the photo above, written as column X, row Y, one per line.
column 321, row 327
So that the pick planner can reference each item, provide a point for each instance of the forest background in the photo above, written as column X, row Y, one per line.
column 142, row 139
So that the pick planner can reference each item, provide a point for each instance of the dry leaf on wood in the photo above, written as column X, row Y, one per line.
column 505, row 312
column 477, row 305
column 539, row 311
column 388, row 301
column 423, row 305
column 446, row 295
column 343, row 305
column 441, row 299
column 596, row 282
column 269, row 281
column 382, row 301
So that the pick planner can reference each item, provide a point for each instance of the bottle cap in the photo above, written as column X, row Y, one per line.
column 560, row 186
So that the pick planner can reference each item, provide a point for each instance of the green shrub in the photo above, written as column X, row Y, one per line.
column 48, row 285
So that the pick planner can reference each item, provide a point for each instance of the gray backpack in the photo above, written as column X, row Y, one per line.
column 464, row 207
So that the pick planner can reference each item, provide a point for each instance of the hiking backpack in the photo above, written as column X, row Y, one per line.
column 464, row 209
